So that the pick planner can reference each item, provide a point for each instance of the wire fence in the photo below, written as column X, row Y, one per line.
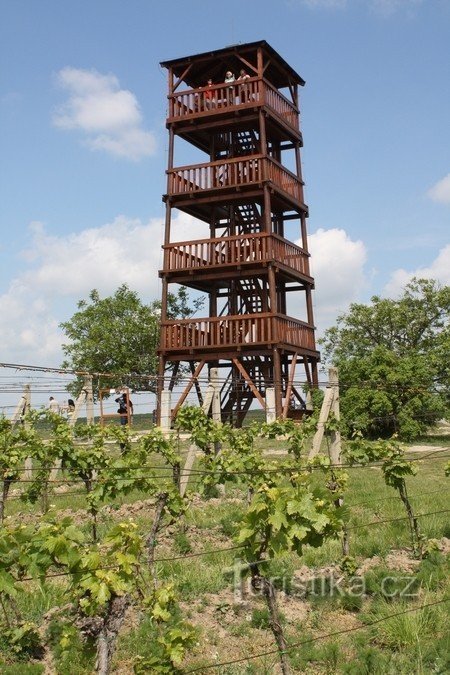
column 227, row 549
column 60, row 383
column 297, row 645
column 53, row 381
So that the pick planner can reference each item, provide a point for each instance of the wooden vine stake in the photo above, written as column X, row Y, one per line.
column 330, row 406
column 211, row 402
column 84, row 397
column 20, row 412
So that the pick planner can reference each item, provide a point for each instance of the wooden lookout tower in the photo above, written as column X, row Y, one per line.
column 245, row 246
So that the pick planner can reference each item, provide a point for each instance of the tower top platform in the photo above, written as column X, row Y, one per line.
column 197, row 68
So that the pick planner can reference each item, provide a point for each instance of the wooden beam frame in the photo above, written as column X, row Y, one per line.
column 187, row 389
column 289, row 386
column 249, row 381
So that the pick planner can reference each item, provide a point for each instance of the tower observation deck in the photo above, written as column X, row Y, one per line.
column 244, row 195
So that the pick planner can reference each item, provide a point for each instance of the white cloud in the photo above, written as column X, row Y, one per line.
column 110, row 117
column 440, row 192
column 337, row 265
column 64, row 269
column 438, row 270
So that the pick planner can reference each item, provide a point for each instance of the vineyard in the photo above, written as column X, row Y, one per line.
column 114, row 558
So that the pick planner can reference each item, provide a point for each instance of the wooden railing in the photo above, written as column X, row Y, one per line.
column 280, row 104
column 294, row 332
column 219, row 97
column 237, row 172
column 284, row 179
column 260, row 247
column 235, row 331
column 289, row 254
column 212, row 175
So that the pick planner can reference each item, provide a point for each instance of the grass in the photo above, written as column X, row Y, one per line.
column 415, row 642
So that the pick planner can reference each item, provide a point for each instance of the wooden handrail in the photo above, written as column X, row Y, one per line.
column 215, row 99
column 204, row 254
column 216, row 163
column 235, row 331
column 233, row 172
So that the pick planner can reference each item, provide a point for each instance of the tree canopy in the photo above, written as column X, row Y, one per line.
column 119, row 335
column 392, row 356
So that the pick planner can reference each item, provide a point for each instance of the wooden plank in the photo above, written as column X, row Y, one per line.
column 324, row 413
column 23, row 406
column 290, row 383
column 184, row 475
column 249, row 381
column 187, row 388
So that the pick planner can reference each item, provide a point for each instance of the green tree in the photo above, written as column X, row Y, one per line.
column 392, row 360
column 119, row 335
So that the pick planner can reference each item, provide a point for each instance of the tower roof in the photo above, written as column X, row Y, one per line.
column 213, row 64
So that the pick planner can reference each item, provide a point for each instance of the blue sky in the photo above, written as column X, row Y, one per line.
column 83, row 146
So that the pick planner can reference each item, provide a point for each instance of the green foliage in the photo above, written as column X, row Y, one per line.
column 298, row 436
column 349, row 565
column 389, row 453
column 181, row 542
column 434, row 571
column 119, row 335
column 13, row 450
column 174, row 636
column 72, row 654
column 97, row 574
column 240, row 460
column 22, row 640
column 392, row 360
column 205, row 432
column 156, row 442
column 351, row 602
column 260, row 618
column 285, row 517
column 395, row 469
column 45, row 453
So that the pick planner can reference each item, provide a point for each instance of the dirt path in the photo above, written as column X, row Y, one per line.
column 429, row 448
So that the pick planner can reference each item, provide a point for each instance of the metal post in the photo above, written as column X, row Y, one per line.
column 166, row 417
column 215, row 405
column 271, row 414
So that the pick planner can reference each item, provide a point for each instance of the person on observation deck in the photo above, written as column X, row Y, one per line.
column 209, row 96
column 244, row 89
column 230, row 79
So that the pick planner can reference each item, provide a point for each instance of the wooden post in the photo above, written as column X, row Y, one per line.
column 19, row 416
column 335, row 447
column 23, row 406
column 89, row 402
column 184, row 477
column 330, row 404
